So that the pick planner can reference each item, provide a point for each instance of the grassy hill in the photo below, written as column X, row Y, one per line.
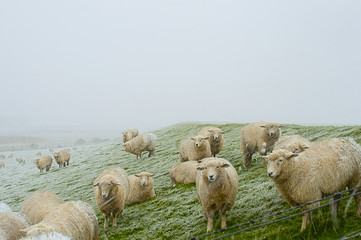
column 175, row 212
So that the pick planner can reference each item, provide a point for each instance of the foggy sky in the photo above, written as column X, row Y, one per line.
column 149, row 64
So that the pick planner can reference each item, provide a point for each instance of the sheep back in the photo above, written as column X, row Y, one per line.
column 293, row 143
column 44, row 162
column 141, row 188
column 184, row 172
column 11, row 224
column 144, row 142
column 62, row 158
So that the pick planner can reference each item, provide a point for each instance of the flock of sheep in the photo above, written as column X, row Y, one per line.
column 302, row 172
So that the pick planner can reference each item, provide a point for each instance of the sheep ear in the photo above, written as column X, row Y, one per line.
column 115, row 183
column 263, row 126
column 225, row 165
column 222, row 132
column 95, row 185
column 280, row 126
column 25, row 230
column 290, row 155
column 304, row 146
column 200, row 168
column 193, row 138
column 152, row 174
column 137, row 175
column 210, row 130
column 206, row 138
column 199, row 161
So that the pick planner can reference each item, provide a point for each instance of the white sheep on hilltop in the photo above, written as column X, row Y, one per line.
column 44, row 162
column 293, row 143
column 111, row 189
column 325, row 168
column 215, row 139
column 129, row 134
column 258, row 137
column 217, row 187
column 20, row 160
column 141, row 143
column 194, row 148
column 184, row 172
column 141, row 188
column 11, row 225
column 2, row 164
column 76, row 220
column 62, row 158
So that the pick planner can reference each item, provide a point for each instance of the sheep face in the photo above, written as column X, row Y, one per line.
column 198, row 141
column 216, row 134
column 277, row 161
column 212, row 170
column 126, row 147
column 271, row 129
column 56, row 155
column 144, row 178
column 106, row 187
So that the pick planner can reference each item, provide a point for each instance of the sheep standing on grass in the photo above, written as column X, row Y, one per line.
column 325, row 168
column 194, row 148
column 2, row 164
column 216, row 139
column 258, row 137
column 62, row 158
column 111, row 189
column 44, row 162
column 129, row 134
column 141, row 143
column 184, row 172
column 11, row 224
column 141, row 188
column 39, row 204
column 217, row 187
column 10, row 155
column 20, row 160
column 76, row 220
column 293, row 143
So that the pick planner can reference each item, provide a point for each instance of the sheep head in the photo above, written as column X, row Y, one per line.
column 198, row 140
column 144, row 178
column 107, row 186
column 271, row 129
column 215, row 134
column 211, row 170
column 278, row 160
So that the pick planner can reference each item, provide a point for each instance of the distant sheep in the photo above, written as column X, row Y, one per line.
column 258, row 137
column 10, row 155
column 38, row 153
column 4, row 208
column 39, row 204
column 62, row 158
column 2, row 155
column 2, row 164
column 194, row 148
column 129, row 134
column 44, row 162
column 111, row 189
column 216, row 139
column 20, row 160
column 327, row 167
column 217, row 187
column 76, row 220
column 293, row 143
column 141, row 143
column 141, row 188
column 184, row 172
column 11, row 224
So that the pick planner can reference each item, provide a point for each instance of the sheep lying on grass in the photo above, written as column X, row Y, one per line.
column 141, row 188
column 76, row 220
column 215, row 139
column 293, row 143
column 325, row 168
column 129, row 134
column 44, row 162
column 217, row 187
column 39, row 204
column 194, row 148
column 11, row 224
column 141, row 143
column 62, row 158
column 258, row 137
column 184, row 172
column 111, row 189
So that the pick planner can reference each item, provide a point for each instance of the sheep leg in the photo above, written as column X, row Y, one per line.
column 306, row 219
column 247, row 156
column 223, row 217
column 210, row 216
column 106, row 219
column 335, row 205
column 358, row 204
column 114, row 220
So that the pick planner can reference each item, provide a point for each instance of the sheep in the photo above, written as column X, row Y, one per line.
column 11, row 224
column 51, row 149
column 144, row 142
column 293, row 143
column 2, row 155
column 2, row 164
column 184, row 172
column 129, row 134
column 20, row 160
column 325, row 168
column 62, row 158
column 75, row 219
column 10, row 155
column 216, row 139
column 39, row 204
column 141, row 188
column 258, row 137
column 38, row 153
column 111, row 189
column 44, row 162
column 194, row 148
column 4, row 207
column 217, row 187
column 48, row 235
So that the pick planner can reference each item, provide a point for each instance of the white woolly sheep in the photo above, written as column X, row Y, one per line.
column 111, row 189
column 76, row 220
column 194, row 148
column 2, row 155
column 39, row 204
column 216, row 139
column 293, row 143
column 38, row 153
column 217, row 187
column 141, row 143
column 141, row 188
column 325, row 168
column 129, row 134
column 184, row 172
column 48, row 236
column 258, row 137
column 62, row 158
column 2, row 164
column 10, row 155
column 4, row 208
column 20, row 160
column 44, row 162
column 11, row 224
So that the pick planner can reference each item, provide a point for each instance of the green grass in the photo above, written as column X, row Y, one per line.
column 175, row 212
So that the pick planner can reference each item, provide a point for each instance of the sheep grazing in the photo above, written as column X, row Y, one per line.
column 111, row 189
column 325, row 168
column 258, row 137
column 10, row 155
column 38, row 153
column 141, row 143
column 20, row 160
column 76, row 220
column 44, row 162
column 4, row 208
column 62, row 158
column 293, row 143
column 2, row 155
column 11, row 224
column 217, row 187
column 141, row 188
column 216, row 139
column 184, row 172
column 194, row 148
column 129, row 134
column 2, row 164
column 39, row 204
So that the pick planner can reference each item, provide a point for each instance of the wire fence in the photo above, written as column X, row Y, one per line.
column 251, row 222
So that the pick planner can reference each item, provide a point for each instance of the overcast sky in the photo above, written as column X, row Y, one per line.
column 149, row 64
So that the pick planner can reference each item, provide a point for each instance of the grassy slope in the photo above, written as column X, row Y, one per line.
column 175, row 212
